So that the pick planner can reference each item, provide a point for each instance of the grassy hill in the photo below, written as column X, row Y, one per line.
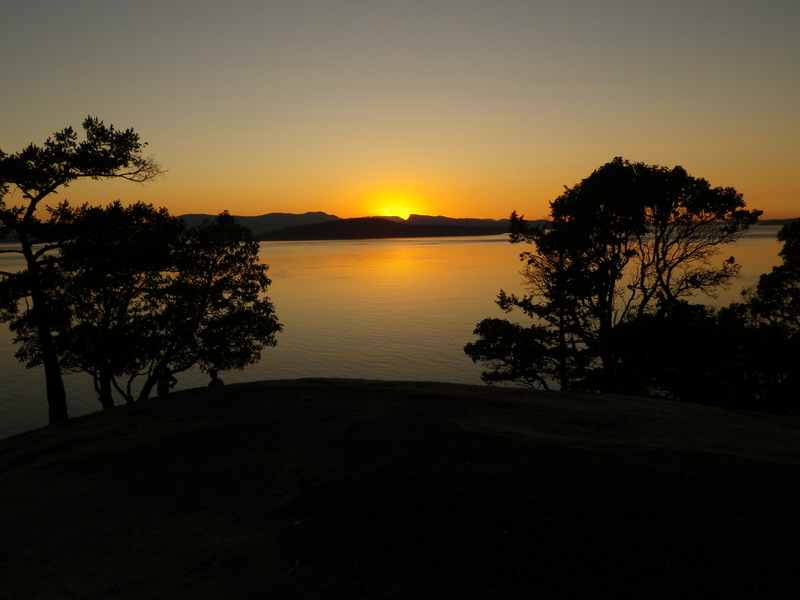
column 364, row 489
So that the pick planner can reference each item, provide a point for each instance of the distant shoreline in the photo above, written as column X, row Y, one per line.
column 377, row 228
column 323, row 226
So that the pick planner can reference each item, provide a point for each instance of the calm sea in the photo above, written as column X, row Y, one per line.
column 377, row 309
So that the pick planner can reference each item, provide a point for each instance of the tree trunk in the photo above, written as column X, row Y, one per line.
column 104, row 391
column 563, row 369
column 148, row 386
column 56, row 394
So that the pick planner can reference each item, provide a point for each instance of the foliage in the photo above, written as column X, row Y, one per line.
column 776, row 299
column 628, row 241
column 138, row 297
column 514, row 353
column 99, row 290
column 771, row 313
column 36, row 174
column 213, row 311
column 719, row 357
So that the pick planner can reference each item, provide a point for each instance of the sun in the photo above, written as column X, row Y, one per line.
column 395, row 203
column 394, row 210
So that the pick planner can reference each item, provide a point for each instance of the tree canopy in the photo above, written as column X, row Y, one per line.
column 136, row 297
column 776, row 298
column 628, row 241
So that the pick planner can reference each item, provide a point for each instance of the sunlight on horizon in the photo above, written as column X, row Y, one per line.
column 396, row 203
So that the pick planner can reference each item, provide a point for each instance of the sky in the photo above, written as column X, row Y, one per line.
column 367, row 107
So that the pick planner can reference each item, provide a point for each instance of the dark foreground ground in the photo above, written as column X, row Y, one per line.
column 362, row 489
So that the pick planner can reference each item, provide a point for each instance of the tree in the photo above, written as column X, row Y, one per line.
column 741, row 356
column 514, row 353
column 776, row 298
column 213, row 310
column 629, row 240
column 772, row 314
column 733, row 361
column 37, row 173
column 137, row 296
column 100, row 291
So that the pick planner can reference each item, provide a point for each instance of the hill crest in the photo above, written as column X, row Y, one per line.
column 350, row 488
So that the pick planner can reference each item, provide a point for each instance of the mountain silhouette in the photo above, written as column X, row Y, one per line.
column 323, row 226
column 267, row 222
column 380, row 227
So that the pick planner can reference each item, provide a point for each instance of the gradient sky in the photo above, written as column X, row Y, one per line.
column 463, row 108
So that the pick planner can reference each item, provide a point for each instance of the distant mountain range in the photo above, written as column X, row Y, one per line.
column 322, row 226
column 268, row 222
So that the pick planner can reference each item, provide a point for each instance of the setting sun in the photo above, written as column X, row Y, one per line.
column 395, row 203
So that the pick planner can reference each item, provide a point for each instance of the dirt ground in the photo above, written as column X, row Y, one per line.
column 364, row 489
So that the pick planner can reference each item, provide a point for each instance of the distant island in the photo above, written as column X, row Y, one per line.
column 267, row 222
column 380, row 227
column 323, row 226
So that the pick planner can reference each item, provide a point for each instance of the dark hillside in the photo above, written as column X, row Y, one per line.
column 362, row 489
column 376, row 228
column 268, row 222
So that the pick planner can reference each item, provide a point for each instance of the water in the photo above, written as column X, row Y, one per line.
column 376, row 309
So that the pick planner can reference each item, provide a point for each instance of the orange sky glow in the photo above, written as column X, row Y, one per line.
column 464, row 109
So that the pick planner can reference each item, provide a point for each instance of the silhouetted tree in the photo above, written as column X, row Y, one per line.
column 213, row 311
column 629, row 240
column 719, row 357
column 136, row 296
column 772, row 313
column 776, row 298
column 36, row 174
column 102, row 289
column 514, row 353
